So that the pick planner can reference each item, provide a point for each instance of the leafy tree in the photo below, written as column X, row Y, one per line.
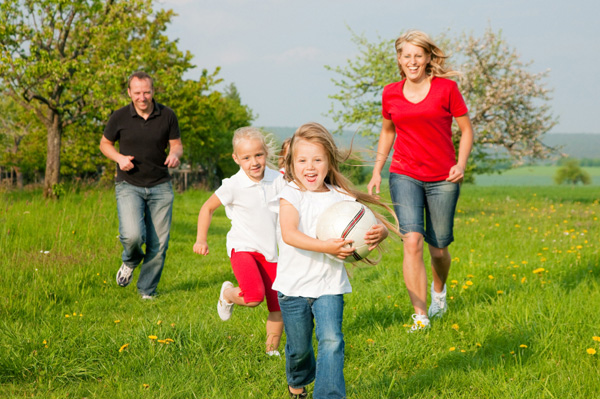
column 507, row 104
column 571, row 173
column 65, row 59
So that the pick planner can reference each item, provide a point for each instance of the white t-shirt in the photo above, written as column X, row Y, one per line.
column 253, row 225
column 308, row 273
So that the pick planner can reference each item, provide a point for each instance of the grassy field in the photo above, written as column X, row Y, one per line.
column 523, row 319
column 531, row 176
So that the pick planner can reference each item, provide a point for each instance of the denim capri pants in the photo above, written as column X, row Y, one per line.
column 426, row 208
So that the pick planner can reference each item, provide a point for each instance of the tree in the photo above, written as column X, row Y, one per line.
column 65, row 59
column 507, row 104
column 571, row 173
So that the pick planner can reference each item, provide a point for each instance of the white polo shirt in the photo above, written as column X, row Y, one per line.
column 308, row 273
column 253, row 225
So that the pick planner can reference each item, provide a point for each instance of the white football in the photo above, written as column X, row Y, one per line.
column 349, row 220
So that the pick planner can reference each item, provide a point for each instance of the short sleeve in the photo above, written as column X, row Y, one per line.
column 225, row 192
column 458, row 107
column 290, row 194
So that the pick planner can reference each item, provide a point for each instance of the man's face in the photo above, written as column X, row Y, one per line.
column 140, row 91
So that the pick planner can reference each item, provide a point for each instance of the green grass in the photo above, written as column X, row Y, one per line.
column 531, row 176
column 502, row 235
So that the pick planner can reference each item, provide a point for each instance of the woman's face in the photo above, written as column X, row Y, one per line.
column 413, row 60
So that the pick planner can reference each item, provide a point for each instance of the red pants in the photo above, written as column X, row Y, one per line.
column 255, row 277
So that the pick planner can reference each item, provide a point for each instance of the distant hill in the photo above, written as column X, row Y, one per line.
column 576, row 145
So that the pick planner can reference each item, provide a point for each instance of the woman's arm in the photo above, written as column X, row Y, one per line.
column 386, row 141
column 457, row 172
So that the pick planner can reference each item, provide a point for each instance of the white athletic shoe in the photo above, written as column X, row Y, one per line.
column 124, row 275
column 223, row 307
column 421, row 322
column 438, row 306
column 274, row 353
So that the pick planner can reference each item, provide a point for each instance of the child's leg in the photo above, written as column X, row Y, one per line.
column 251, row 290
column 274, row 331
column 329, row 382
column 300, row 365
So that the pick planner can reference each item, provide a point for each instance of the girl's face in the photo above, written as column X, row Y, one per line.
column 413, row 60
column 252, row 158
column 311, row 165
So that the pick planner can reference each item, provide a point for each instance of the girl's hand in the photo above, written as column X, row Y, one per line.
column 201, row 247
column 339, row 247
column 375, row 235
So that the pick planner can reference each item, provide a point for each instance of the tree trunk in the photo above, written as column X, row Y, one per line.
column 52, row 176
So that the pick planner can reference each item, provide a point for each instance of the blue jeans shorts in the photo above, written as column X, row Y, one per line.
column 426, row 208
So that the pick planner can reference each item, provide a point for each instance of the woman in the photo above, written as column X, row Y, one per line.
column 425, row 174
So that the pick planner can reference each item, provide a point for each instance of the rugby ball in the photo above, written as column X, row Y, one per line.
column 349, row 220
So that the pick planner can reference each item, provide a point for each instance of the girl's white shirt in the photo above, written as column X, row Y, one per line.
column 253, row 226
column 308, row 273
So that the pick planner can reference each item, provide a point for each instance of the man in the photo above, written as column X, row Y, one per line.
column 144, row 130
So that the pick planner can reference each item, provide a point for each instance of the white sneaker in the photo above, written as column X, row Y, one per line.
column 223, row 307
column 124, row 275
column 421, row 322
column 274, row 353
column 438, row 306
column 148, row 297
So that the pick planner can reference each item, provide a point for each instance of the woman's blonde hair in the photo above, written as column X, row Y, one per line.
column 317, row 134
column 253, row 133
column 437, row 64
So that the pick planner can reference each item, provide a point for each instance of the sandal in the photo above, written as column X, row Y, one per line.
column 302, row 395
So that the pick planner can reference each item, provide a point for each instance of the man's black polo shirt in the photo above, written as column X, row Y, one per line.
column 147, row 140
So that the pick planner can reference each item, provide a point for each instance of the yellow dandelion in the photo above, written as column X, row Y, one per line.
column 523, row 280
column 538, row 270
column 497, row 224
column 74, row 313
column 591, row 351
column 524, row 262
column 512, row 352
column 455, row 327
column 370, row 341
column 117, row 321
column 522, row 346
column 470, row 276
column 596, row 339
column 67, row 315
column 499, row 292
column 465, row 287
column 170, row 340
column 122, row 348
column 44, row 342
column 463, row 351
column 478, row 345
column 469, row 283
column 152, row 336
column 172, row 324
column 145, row 386
column 159, row 322
column 452, row 349
column 162, row 341
column 491, row 277
column 451, row 298
column 454, row 282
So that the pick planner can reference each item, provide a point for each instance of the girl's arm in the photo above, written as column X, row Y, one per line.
column 375, row 235
column 204, row 219
column 386, row 141
column 457, row 172
column 289, row 220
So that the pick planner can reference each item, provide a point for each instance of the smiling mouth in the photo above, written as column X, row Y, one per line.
column 311, row 178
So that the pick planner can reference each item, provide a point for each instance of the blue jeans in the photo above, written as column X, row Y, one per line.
column 145, row 218
column 299, row 317
column 426, row 208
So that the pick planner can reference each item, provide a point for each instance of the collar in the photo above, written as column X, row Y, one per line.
column 155, row 110
column 245, row 181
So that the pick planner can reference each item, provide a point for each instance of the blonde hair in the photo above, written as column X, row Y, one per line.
column 317, row 134
column 253, row 133
column 437, row 64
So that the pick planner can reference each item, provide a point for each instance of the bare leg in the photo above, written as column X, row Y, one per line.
column 233, row 295
column 274, row 331
column 415, row 276
column 440, row 266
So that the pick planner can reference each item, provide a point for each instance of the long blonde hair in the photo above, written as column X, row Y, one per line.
column 317, row 134
column 437, row 65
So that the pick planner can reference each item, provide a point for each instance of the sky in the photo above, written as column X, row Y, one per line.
column 275, row 51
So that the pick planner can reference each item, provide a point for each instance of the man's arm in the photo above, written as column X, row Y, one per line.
column 175, row 152
column 108, row 149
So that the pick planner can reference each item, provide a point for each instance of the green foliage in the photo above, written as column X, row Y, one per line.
column 507, row 104
column 571, row 173
column 59, row 259
column 66, row 59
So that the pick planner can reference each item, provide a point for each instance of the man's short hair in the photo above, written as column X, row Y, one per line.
column 140, row 75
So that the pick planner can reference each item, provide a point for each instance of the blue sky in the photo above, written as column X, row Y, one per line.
column 275, row 50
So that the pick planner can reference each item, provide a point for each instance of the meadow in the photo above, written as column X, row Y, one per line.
column 524, row 296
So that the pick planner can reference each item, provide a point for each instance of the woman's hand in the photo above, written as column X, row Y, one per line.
column 456, row 175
